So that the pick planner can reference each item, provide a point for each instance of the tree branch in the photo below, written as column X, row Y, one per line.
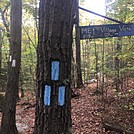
column 116, row 128
column 4, row 20
column 29, row 38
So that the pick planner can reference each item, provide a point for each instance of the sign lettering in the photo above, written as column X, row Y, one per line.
column 104, row 31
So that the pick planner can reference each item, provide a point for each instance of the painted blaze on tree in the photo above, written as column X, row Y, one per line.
column 53, row 103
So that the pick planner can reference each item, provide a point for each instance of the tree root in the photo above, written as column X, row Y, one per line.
column 111, row 127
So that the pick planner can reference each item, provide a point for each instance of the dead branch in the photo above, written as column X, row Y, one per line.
column 4, row 20
column 111, row 127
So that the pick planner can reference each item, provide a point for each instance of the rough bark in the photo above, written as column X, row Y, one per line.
column 8, row 125
column 55, row 43
column 40, row 70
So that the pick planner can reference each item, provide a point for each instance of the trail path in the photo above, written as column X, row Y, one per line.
column 86, row 114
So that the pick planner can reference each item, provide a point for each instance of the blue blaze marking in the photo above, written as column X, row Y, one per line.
column 55, row 70
column 61, row 96
column 47, row 95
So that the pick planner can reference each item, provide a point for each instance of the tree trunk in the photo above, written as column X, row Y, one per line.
column 96, row 64
column 102, row 70
column 8, row 119
column 53, row 93
column 78, row 52
column 0, row 50
column 117, row 66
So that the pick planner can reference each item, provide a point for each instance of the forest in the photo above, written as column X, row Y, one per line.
column 56, row 80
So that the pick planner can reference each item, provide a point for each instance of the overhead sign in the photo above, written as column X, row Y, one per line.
column 104, row 31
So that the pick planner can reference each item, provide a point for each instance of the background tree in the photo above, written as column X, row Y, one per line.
column 8, row 125
column 123, row 10
column 0, row 49
column 78, row 48
column 4, row 30
column 4, row 16
column 29, row 43
column 55, row 43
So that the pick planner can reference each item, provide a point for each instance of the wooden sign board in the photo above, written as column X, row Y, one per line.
column 104, row 31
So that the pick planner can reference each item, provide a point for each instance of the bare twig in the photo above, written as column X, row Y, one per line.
column 29, row 38
column 4, row 20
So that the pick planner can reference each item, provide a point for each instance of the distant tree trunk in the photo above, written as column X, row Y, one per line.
column 8, row 125
column 78, row 50
column 102, row 80
column 53, row 93
column 96, row 61
column 73, row 78
column 21, row 83
column 39, row 109
column 0, row 49
column 117, row 67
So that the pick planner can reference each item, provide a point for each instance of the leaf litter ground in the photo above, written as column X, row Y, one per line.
column 87, row 113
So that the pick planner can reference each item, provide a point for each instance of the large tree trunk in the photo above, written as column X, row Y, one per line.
column 53, row 109
column 8, row 119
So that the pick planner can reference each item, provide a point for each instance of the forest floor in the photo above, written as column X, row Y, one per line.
column 88, row 114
